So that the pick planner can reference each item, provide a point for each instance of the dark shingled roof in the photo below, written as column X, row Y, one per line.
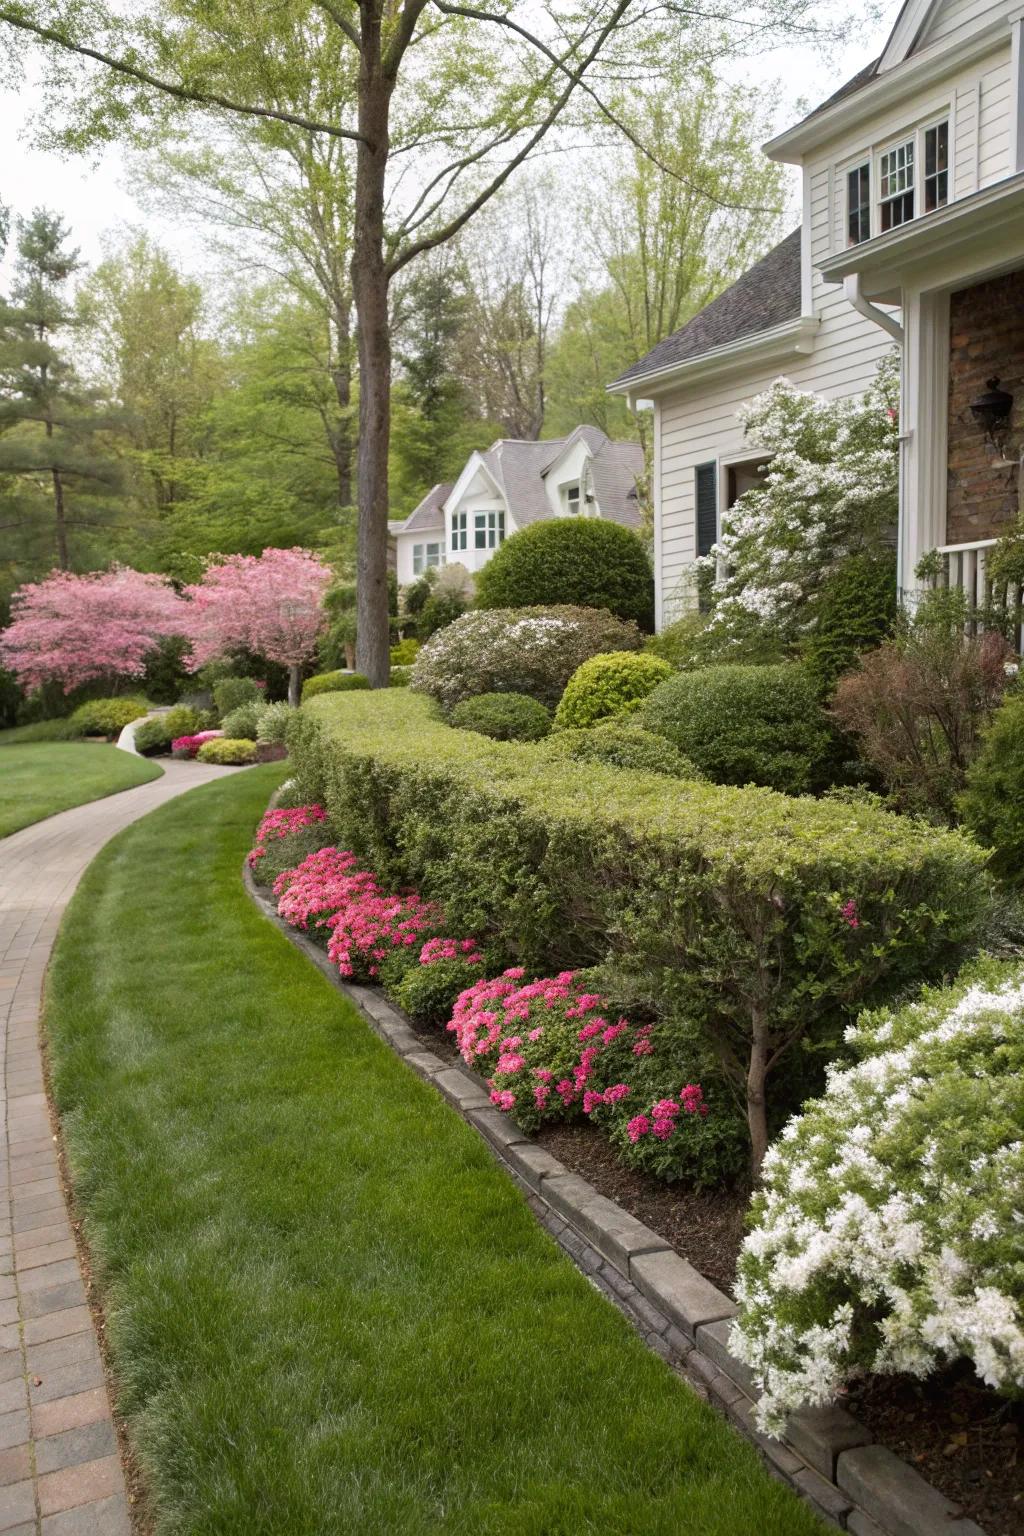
column 766, row 296
column 861, row 78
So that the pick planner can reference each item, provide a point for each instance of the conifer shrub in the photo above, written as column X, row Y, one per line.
column 992, row 805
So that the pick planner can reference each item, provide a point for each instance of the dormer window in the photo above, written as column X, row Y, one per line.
column 572, row 499
column 858, row 204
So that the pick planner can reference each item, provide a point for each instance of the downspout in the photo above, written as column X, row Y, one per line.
column 863, row 306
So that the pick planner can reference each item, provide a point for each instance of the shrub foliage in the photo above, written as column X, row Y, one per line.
column 503, row 716
column 993, row 804
column 622, row 746
column 105, row 717
column 587, row 561
column 226, row 751
column 332, row 682
column 612, row 684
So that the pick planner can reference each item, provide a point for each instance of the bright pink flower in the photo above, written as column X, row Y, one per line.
column 503, row 1098
column 848, row 912
column 278, row 823
column 637, row 1127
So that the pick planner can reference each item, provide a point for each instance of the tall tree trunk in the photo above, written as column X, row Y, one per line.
column 370, row 283
column 757, row 1071
column 341, row 377
column 294, row 686
column 63, row 559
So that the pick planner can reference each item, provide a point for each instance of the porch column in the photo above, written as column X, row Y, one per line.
column 923, row 418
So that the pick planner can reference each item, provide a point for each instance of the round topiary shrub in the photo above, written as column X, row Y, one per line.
column 622, row 746
column 613, row 684
column 106, row 717
column 332, row 682
column 227, row 752
column 240, row 724
column 517, row 650
column 503, row 716
column 746, row 725
column 230, row 692
column 992, row 805
column 586, row 561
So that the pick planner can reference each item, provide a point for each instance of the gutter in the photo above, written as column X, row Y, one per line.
column 792, row 337
column 855, row 296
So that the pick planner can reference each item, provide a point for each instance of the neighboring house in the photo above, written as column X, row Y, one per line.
column 513, row 484
column 913, row 232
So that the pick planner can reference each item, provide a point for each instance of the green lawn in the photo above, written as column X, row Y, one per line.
column 37, row 781
column 329, row 1311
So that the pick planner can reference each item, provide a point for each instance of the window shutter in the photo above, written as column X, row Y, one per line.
column 706, row 480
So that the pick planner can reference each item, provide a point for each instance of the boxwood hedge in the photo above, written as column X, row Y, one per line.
column 766, row 918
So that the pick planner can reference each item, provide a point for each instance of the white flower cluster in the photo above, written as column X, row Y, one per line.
column 889, row 1231
column 830, row 490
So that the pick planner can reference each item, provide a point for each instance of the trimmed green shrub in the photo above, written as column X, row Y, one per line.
column 400, row 677
column 622, row 746
column 227, row 751
column 992, row 805
column 517, row 650
column 156, row 734
column 856, row 612
column 240, row 723
column 746, row 725
column 332, row 682
column 106, row 717
column 289, row 851
column 763, row 918
column 586, row 561
column 404, row 652
column 272, row 724
column 230, row 692
column 428, row 992
column 503, row 716
column 612, row 684
column 888, row 1235
column 678, row 642
column 37, row 730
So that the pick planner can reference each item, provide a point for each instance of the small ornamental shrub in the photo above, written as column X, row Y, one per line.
column 404, row 652
column 227, row 752
column 678, row 643
column 503, row 716
column 746, row 725
column 365, row 931
column 622, row 746
column 332, row 682
column 279, row 825
column 586, row 561
column 322, row 884
column 272, row 723
column 887, row 1236
column 106, row 717
column 856, row 613
column 242, row 721
column 188, row 746
column 157, row 733
column 993, row 803
column 428, row 993
column 400, row 677
column 527, row 650
column 609, row 685
column 919, row 705
column 230, row 692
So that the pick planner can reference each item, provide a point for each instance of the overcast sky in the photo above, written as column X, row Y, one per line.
column 94, row 201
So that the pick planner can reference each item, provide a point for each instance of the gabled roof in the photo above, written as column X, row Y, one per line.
column 592, row 436
column 516, row 467
column 765, row 296
column 615, row 470
column 430, row 512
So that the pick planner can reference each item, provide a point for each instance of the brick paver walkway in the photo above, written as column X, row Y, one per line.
column 60, row 1473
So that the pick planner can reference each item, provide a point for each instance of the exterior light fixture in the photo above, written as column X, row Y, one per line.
column 992, row 411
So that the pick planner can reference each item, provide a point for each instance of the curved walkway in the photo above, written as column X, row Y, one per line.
column 60, row 1472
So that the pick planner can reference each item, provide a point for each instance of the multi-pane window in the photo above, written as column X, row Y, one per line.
column 896, row 185
column 488, row 529
column 572, row 499
column 936, row 167
column 858, row 205
column 460, row 532
column 425, row 557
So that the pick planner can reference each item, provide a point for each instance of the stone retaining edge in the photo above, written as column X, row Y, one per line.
column 826, row 1456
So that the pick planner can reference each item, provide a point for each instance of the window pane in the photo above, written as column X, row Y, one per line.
column 858, row 204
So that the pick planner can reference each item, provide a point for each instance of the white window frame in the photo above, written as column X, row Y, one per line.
column 490, row 523
column 908, row 146
column 871, row 155
column 577, row 487
column 855, row 170
column 427, row 556
column 460, row 531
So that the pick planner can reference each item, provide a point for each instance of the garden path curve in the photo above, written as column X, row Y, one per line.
column 60, row 1472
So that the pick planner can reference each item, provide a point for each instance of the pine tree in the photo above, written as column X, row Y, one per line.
column 57, row 470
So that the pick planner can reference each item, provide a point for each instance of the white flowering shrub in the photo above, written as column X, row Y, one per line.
column 888, row 1235
column 517, row 650
column 829, row 492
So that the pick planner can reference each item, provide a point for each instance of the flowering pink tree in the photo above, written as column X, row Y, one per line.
column 72, row 629
column 270, row 603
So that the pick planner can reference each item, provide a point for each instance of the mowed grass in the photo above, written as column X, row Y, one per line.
column 329, row 1311
column 39, row 780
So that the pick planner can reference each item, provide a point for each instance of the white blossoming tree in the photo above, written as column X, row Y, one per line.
column 829, row 493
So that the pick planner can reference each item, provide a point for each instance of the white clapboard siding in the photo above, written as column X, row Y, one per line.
column 960, row 16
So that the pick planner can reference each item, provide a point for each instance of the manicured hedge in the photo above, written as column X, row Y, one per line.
column 332, row 682
column 503, row 716
column 762, row 916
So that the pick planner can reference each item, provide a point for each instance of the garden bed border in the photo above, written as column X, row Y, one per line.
column 826, row 1455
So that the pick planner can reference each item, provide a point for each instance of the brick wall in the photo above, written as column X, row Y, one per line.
column 986, row 340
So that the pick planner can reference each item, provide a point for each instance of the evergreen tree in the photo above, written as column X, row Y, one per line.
column 57, row 470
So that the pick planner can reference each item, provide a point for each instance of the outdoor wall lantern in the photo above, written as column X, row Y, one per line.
column 992, row 411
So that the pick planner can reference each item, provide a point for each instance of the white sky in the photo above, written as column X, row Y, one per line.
column 93, row 199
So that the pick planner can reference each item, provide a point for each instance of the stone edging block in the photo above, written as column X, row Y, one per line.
column 826, row 1455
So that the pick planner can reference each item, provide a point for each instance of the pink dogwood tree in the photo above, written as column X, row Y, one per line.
column 72, row 630
column 270, row 603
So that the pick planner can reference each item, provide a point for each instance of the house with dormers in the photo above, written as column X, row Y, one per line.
column 513, row 484
column 912, row 235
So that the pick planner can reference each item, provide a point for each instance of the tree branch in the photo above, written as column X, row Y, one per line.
column 179, row 92
column 341, row 22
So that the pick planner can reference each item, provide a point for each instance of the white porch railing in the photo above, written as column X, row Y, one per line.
column 966, row 566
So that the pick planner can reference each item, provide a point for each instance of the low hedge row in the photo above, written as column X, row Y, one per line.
column 766, row 919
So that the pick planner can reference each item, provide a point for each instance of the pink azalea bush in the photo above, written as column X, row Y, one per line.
column 190, row 744
column 282, row 823
column 320, row 887
column 371, row 926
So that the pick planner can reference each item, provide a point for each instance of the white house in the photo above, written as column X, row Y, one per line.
column 913, row 233
column 513, row 484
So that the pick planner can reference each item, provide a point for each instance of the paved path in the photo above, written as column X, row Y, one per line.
column 60, row 1473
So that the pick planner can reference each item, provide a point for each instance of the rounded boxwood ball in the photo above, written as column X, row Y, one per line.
column 585, row 561
column 608, row 685
column 503, row 716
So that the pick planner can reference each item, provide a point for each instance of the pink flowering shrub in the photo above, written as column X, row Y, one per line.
column 366, row 931
column 285, row 837
column 279, row 823
column 189, row 745
column 318, row 888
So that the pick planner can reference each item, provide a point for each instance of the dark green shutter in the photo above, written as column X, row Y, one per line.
column 706, row 477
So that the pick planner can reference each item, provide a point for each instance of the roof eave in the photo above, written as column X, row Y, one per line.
column 791, row 146
column 790, row 339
